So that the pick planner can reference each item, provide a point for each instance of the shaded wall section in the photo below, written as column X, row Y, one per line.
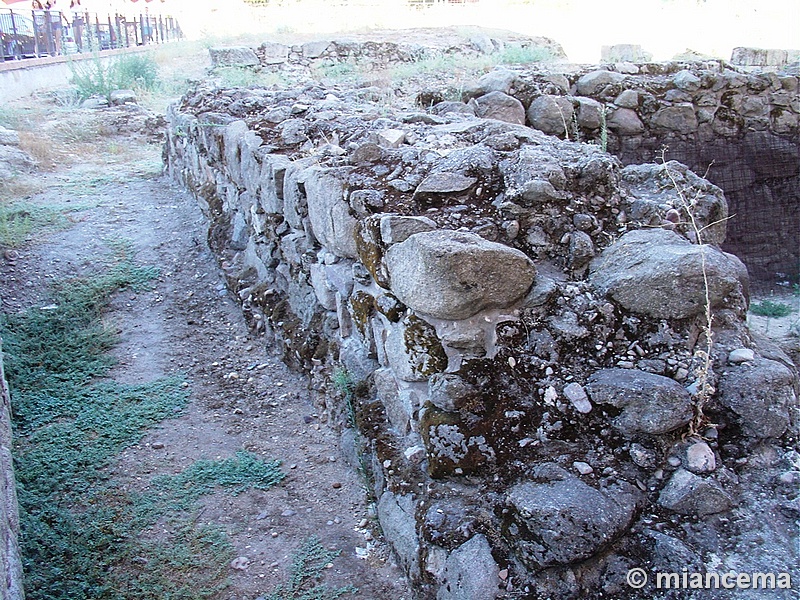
column 760, row 175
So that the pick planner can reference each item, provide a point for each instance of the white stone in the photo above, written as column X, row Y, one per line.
column 8, row 137
column 741, row 355
column 415, row 454
column 700, row 458
column 582, row 467
column 391, row 138
column 575, row 393
column 550, row 395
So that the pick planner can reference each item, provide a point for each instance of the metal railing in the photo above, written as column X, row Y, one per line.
column 35, row 33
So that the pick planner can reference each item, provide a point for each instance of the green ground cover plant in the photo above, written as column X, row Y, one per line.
column 308, row 564
column 18, row 220
column 82, row 536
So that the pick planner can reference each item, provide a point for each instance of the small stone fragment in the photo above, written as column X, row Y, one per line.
column 690, row 494
column 741, row 355
column 415, row 454
column 700, row 458
column 575, row 393
column 391, row 138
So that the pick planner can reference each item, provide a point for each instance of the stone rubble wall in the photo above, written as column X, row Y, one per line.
column 739, row 126
column 10, row 558
column 521, row 320
column 370, row 53
column 736, row 124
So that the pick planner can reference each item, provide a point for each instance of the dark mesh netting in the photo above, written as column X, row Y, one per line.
column 760, row 175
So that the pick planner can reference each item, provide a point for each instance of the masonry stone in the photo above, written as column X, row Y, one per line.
column 625, row 121
column 329, row 211
column 273, row 53
column 470, row 572
column 690, row 494
column 453, row 275
column 567, row 520
column 761, row 394
column 233, row 57
column 595, row 82
column 500, row 106
column 551, row 114
column 649, row 403
column 659, row 273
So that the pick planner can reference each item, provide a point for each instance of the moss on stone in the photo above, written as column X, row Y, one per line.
column 361, row 306
column 390, row 307
column 370, row 251
column 425, row 351
column 452, row 447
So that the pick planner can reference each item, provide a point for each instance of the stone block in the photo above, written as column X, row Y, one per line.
column 470, row 572
column 658, row 273
column 329, row 211
column 649, row 403
column 594, row 83
column 396, row 514
column 454, row 275
column 690, row 494
column 761, row 394
column 551, row 115
column 500, row 106
column 274, row 53
column 559, row 520
column 233, row 56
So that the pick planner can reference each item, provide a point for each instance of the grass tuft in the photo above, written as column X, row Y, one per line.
column 18, row 220
column 246, row 77
column 308, row 564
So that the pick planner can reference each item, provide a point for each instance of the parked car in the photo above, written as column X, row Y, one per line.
column 16, row 36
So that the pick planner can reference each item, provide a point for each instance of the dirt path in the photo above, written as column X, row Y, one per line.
column 242, row 396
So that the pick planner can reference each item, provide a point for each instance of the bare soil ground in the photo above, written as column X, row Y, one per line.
column 242, row 396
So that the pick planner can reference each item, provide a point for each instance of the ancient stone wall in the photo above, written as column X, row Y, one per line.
column 376, row 54
column 10, row 559
column 522, row 323
column 738, row 126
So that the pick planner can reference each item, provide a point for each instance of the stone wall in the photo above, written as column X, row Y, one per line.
column 736, row 125
column 522, row 320
column 10, row 559
column 375, row 54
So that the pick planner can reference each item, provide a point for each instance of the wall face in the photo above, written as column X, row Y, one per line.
column 10, row 560
column 521, row 321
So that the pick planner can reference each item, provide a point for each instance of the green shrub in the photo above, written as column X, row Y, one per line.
column 136, row 71
column 98, row 77
column 768, row 308
column 519, row 55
